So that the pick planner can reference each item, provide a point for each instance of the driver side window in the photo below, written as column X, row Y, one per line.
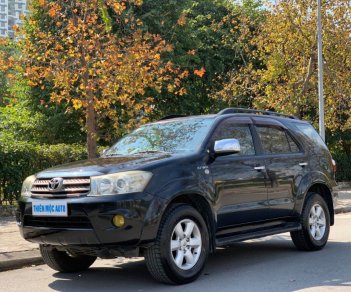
column 229, row 130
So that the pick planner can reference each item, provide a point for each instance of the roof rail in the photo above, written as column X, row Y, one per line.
column 234, row 110
column 172, row 117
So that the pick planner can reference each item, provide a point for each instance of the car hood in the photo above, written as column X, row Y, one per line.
column 106, row 165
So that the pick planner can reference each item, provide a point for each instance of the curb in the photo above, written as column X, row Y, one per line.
column 343, row 185
column 342, row 209
column 7, row 211
column 20, row 259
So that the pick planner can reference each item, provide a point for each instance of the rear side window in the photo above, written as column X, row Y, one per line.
column 276, row 141
column 310, row 133
column 293, row 146
column 229, row 130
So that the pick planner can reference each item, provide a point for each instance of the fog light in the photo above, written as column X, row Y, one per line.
column 118, row 220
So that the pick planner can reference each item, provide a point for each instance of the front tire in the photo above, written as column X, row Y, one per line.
column 63, row 262
column 315, row 221
column 181, row 247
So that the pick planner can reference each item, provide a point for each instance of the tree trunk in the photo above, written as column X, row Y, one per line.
column 91, row 130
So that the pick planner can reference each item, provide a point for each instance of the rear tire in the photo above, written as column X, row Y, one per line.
column 63, row 262
column 315, row 221
column 181, row 247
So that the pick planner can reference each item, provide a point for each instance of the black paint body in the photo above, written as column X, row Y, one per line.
column 239, row 201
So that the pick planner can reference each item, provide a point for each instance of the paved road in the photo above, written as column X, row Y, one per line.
column 270, row 264
column 10, row 238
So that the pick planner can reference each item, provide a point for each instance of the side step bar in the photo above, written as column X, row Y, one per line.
column 261, row 233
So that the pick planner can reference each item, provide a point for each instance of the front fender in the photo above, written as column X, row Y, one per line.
column 175, row 189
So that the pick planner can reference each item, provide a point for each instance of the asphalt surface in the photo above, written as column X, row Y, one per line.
column 16, row 253
column 268, row 264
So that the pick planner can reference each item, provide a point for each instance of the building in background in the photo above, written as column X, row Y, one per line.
column 10, row 15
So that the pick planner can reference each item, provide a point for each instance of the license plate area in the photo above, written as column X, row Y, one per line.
column 50, row 208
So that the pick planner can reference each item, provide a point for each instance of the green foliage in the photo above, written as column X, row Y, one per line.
column 8, row 52
column 19, row 159
column 343, row 163
column 27, row 117
column 54, row 123
column 18, row 122
column 22, row 123
column 339, row 144
column 200, row 35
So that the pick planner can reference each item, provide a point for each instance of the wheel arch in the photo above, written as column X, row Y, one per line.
column 324, row 191
column 202, row 205
column 318, row 182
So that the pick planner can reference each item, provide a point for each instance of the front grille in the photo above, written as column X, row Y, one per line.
column 71, row 187
column 74, row 222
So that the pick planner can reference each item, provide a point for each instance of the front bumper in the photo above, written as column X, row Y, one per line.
column 89, row 221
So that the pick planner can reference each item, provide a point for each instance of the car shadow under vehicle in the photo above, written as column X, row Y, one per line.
column 268, row 264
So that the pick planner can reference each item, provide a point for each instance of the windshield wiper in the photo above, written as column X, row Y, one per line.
column 149, row 151
column 111, row 155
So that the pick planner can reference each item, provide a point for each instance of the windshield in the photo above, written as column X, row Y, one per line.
column 185, row 135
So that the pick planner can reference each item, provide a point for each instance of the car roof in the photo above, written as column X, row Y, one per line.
column 181, row 118
column 255, row 114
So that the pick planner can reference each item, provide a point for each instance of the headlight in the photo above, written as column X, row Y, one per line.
column 119, row 183
column 27, row 185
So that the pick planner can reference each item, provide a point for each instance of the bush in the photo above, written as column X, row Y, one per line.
column 343, row 166
column 19, row 159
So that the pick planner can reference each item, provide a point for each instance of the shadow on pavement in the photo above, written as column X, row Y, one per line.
column 258, row 265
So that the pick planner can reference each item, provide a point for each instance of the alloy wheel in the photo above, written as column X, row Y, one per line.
column 186, row 244
column 317, row 222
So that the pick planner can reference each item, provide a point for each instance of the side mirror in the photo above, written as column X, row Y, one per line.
column 226, row 146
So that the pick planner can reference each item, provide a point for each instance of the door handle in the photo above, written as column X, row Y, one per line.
column 262, row 167
column 303, row 164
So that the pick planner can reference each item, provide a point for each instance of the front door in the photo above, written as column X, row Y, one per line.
column 238, row 179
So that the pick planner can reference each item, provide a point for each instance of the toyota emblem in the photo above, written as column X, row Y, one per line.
column 55, row 184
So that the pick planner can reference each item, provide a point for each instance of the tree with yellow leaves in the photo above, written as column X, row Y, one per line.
column 282, row 72
column 7, row 67
column 96, row 58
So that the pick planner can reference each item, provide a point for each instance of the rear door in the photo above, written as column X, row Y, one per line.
column 239, row 182
column 285, row 165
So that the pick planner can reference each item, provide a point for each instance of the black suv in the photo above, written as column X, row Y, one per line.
column 174, row 190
